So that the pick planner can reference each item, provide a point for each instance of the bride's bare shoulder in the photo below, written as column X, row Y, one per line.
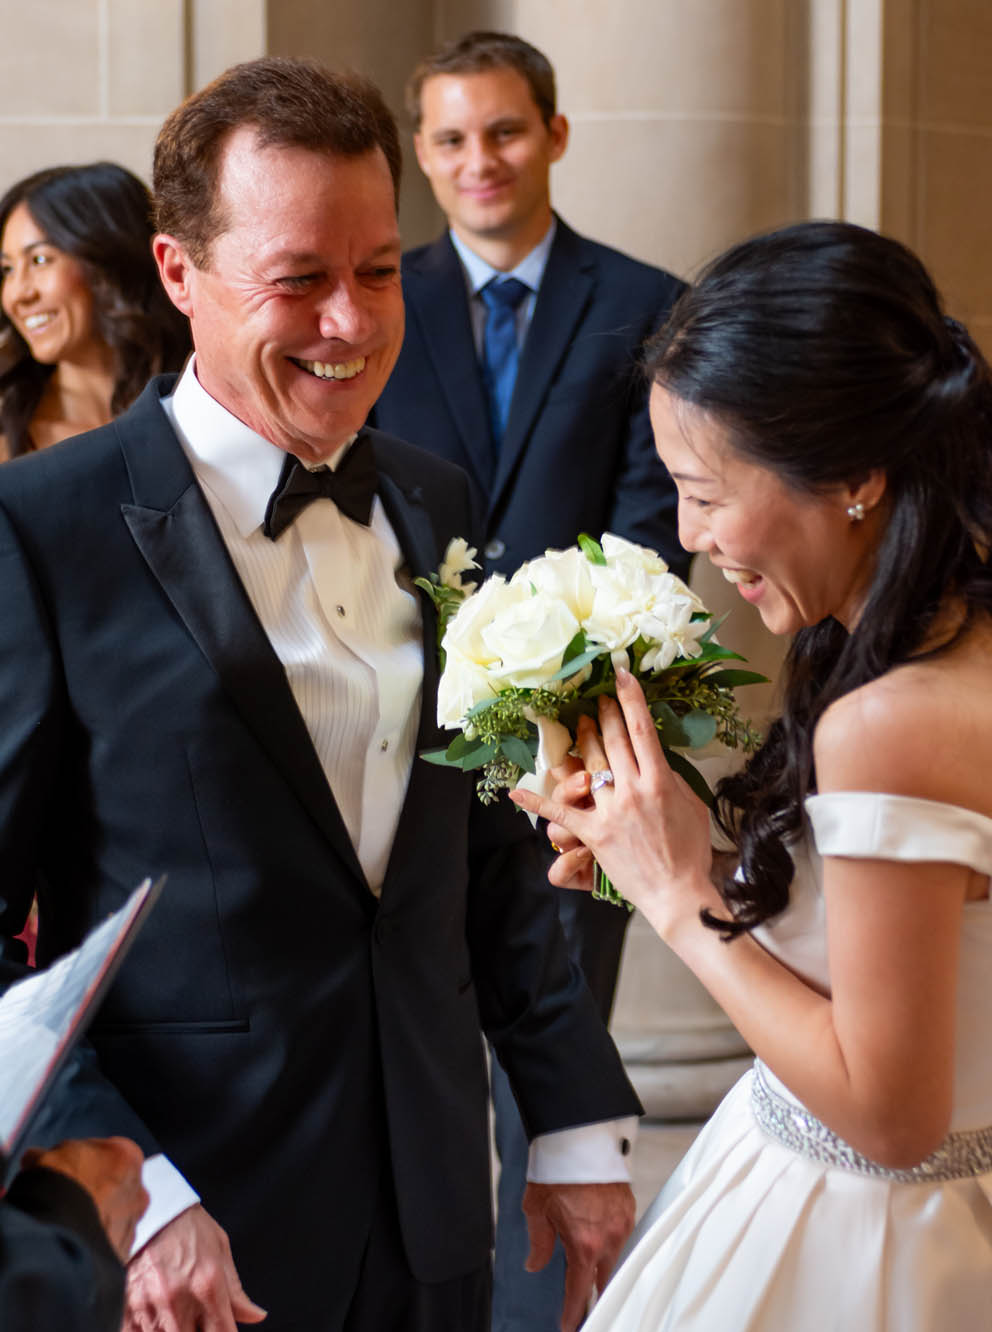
column 922, row 729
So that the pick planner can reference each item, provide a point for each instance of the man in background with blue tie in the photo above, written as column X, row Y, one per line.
column 520, row 364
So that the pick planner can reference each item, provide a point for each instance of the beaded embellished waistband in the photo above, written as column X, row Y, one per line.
column 959, row 1156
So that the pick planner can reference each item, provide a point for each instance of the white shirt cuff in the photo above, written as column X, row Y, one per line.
column 589, row 1154
column 168, row 1195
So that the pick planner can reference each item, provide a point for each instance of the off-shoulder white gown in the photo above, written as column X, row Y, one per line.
column 771, row 1223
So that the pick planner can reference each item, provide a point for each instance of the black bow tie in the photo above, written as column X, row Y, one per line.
column 351, row 487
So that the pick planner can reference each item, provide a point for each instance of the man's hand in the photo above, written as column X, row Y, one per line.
column 184, row 1280
column 593, row 1221
column 110, row 1171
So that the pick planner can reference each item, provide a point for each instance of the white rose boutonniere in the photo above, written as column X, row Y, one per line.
column 522, row 659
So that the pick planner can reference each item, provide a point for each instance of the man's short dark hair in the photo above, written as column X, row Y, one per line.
column 289, row 103
column 478, row 51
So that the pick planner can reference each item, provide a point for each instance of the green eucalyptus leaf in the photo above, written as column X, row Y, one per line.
column 732, row 679
column 691, row 774
column 459, row 747
column 479, row 708
column 481, row 755
column 518, row 752
column 440, row 757
column 569, row 667
column 691, row 731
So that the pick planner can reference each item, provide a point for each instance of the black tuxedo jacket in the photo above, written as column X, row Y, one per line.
column 57, row 1269
column 279, row 1033
column 578, row 454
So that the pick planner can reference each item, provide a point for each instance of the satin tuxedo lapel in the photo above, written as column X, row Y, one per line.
column 173, row 528
column 567, row 287
column 436, row 299
column 406, row 509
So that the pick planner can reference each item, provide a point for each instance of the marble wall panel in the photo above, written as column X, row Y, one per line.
column 51, row 58
column 137, row 85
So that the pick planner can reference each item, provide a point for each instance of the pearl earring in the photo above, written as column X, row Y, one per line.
column 856, row 512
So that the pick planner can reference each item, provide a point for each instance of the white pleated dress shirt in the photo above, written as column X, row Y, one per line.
column 341, row 614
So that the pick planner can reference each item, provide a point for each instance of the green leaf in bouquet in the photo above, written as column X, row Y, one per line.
column 715, row 623
column 478, row 757
column 690, row 731
column 692, row 775
column 519, row 752
column 591, row 549
column 468, row 754
column 459, row 747
column 440, row 757
column 478, row 708
column 733, row 679
column 715, row 652
column 573, row 664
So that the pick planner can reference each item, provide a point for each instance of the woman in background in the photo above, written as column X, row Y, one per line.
column 83, row 316
column 830, row 435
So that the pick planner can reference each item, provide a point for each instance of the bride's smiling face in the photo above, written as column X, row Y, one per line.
column 794, row 555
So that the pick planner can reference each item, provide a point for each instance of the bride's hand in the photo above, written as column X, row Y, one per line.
column 648, row 831
column 574, row 866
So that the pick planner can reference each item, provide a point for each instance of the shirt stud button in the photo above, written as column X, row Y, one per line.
column 384, row 745
column 340, row 610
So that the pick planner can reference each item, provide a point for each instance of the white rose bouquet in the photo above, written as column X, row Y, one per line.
column 523, row 658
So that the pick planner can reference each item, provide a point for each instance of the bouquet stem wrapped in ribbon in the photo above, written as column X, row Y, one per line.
column 523, row 658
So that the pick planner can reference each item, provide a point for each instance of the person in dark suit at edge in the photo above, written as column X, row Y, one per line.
column 67, row 1223
column 205, row 672
column 538, row 396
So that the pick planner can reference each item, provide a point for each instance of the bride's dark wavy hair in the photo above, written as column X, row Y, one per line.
column 823, row 353
column 100, row 214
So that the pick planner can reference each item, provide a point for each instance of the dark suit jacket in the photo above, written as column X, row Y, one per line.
column 57, row 1269
column 274, row 1027
column 578, row 454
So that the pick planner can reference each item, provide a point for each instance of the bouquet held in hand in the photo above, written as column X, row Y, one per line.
column 522, row 658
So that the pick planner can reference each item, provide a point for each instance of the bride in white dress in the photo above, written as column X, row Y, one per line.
column 830, row 434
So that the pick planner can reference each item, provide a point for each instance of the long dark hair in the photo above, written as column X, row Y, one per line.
column 823, row 352
column 100, row 215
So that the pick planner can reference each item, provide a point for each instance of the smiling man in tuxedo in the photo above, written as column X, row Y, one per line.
column 520, row 364
column 209, row 669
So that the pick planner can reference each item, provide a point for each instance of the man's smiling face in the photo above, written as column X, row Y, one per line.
column 297, row 317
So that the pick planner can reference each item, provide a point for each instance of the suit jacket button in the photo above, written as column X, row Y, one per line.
column 494, row 549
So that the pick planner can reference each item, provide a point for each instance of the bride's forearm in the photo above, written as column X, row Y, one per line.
column 791, row 1028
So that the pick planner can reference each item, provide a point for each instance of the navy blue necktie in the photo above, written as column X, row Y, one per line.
column 499, row 347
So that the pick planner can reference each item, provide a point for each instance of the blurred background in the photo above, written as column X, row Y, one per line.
column 694, row 123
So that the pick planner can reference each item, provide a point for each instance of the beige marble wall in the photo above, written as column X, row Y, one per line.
column 88, row 79
column 900, row 133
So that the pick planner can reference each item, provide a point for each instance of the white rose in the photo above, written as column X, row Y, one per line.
column 458, row 559
column 621, row 554
column 463, row 684
column 563, row 574
column 613, row 618
column 463, row 636
column 529, row 635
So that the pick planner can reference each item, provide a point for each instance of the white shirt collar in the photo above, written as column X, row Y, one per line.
column 530, row 270
column 240, row 467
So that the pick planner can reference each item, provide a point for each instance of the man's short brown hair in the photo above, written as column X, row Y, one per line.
column 290, row 103
column 478, row 51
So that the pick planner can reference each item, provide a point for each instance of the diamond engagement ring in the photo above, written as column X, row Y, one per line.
column 602, row 778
